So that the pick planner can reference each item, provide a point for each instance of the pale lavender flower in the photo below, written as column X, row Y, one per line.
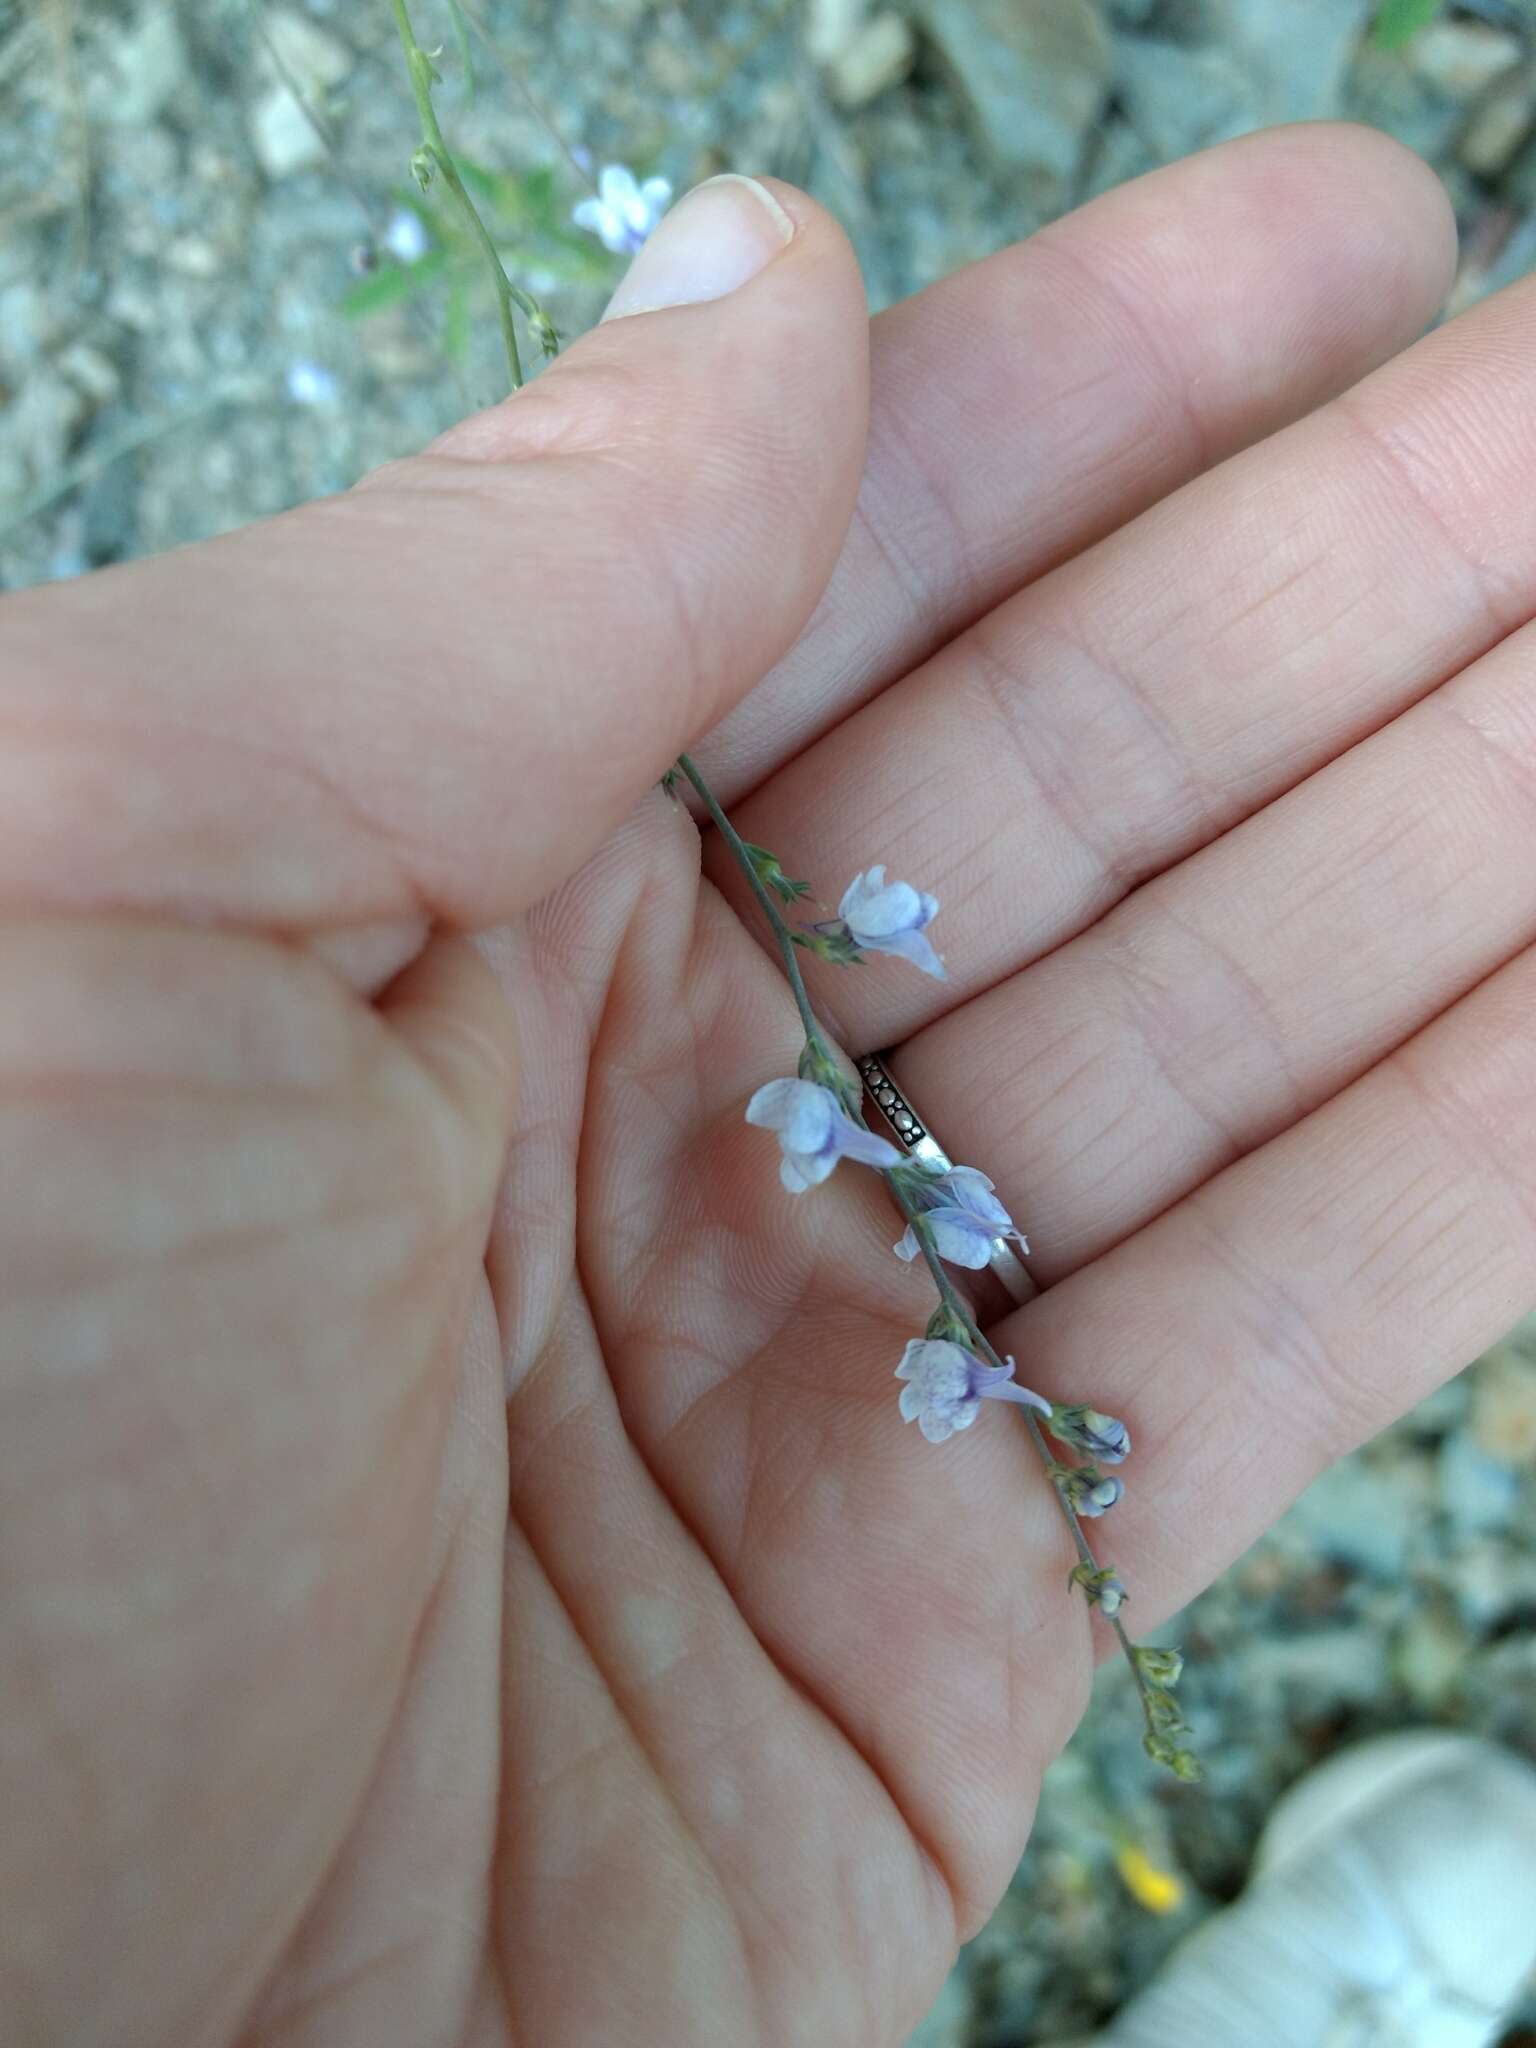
column 405, row 235
column 814, row 1132
column 965, row 1216
column 1092, row 1432
column 891, row 917
column 625, row 212
column 946, row 1385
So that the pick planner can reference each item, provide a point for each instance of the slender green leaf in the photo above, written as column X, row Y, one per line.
column 1399, row 21
column 392, row 284
column 461, row 38
column 456, row 321
column 483, row 182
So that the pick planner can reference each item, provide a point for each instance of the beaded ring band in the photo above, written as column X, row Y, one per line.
column 915, row 1138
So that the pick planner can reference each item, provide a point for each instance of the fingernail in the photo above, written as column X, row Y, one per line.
column 722, row 233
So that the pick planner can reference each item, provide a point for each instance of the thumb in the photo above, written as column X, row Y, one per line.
column 437, row 693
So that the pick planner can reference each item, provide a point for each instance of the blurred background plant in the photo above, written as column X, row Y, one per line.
column 221, row 293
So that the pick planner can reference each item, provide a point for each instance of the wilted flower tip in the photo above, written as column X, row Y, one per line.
column 1159, row 1664
column 1087, row 1490
column 1090, row 1431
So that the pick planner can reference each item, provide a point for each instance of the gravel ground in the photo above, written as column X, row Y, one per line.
column 186, row 343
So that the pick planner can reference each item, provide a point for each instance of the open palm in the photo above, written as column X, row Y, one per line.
column 571, row 1646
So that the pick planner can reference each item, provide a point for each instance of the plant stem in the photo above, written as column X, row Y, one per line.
column 949, row 1294
column 423, row 76
column 781, row 931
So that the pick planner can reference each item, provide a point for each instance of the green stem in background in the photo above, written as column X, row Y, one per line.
column 519, row 84
column 949, row 1294
column 423, row 75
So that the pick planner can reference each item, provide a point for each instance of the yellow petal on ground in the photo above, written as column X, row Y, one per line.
column 1160, row 1891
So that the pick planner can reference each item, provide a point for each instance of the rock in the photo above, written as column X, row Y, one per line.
column 1477, row 1492
column 830, row 26
column 878, row 57
column 1504, row 1406
column 28, row 324
column 107, row 513
column 1178, row 100
column 1033, row 75
column 315, row 61
column 283, row 136
column 139, row 70
column 90, row 371
column 1463, row 57
column 1498, row 127
column 1329, row 1665
column 1390, row 94
column 1297, row 56
column 1363, row 1512
column 193, row 256
column 1429, row 1657
column 296, row 54
column 1487, row 1577
column 40, row 424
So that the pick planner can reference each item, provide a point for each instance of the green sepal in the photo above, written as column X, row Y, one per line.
column 837, row 945
column 946, row 1327
column 767, row 868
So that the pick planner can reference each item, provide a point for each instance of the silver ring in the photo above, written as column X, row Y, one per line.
column 915, row 1139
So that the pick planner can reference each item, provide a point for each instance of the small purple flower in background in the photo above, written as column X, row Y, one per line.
column 311, row 383
column 405, row 235
column 1092, row 1432
column 814, row 1132
column 891, row 917
column 625, row 212
column 965, row 1216
column 946, row 1385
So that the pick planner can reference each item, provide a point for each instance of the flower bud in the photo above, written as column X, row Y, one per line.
column 1090, row 1431
column 1102, row 1588
column 769, row 872
column 1086, row 1490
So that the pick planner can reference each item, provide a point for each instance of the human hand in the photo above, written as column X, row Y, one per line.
column 563, row 1642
